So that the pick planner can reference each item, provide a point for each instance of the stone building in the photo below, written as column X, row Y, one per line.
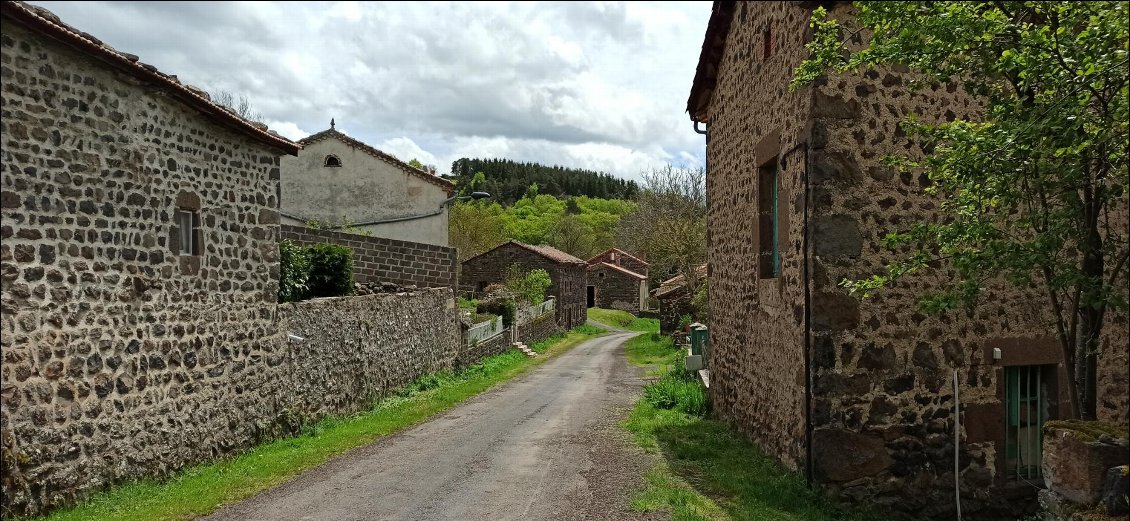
column 338, row 180
column 566, row 271
column 859, row 395
column 139, row 268
column 675, row 301
column 617, row 280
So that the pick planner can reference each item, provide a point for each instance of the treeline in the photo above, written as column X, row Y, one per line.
column 507, row 181
column 581, row 226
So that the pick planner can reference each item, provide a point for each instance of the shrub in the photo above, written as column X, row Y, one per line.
column 531, row 285
column 331, row 270
column 294, row 269
column 503, row 307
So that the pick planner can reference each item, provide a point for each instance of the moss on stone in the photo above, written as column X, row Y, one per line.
column 1089, row 430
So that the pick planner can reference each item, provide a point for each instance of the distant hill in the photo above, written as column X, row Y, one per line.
column 507, row 180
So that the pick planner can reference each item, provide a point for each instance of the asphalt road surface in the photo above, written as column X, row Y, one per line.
column 547, row 445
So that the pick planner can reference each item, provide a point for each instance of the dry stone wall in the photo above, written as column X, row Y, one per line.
column 494, row 345
column 538, row 329
column 376, row 259
column 356, row 349
column 121, row 358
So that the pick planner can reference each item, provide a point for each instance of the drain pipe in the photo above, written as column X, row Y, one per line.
column 956, row 443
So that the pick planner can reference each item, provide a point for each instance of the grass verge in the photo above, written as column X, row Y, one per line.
column 706, row 470
column 200, row 490
column 623, row 320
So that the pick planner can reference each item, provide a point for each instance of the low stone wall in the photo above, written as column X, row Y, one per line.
column 376, row 259
column 494, row 345
column 538, row 329
column 356, row 349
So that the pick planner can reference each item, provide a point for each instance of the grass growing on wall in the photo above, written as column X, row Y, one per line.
column 623, row 320
column 202, row 489
column 706, row 470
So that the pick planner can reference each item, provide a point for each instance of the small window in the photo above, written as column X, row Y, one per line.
column 1029, row 401
column 769, row 255
column 187, row 223
column 332, row 161
column 767, row 42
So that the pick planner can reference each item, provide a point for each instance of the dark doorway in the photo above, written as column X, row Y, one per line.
column 592, row 296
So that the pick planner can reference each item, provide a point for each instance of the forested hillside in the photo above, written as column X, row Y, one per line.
column 507, row 181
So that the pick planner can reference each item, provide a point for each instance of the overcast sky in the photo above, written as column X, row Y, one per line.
column 598, row 85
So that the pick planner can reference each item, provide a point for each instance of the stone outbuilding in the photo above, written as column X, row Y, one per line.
column 339, row 181
column 566, row 271
column 617, row 280
column 859, row 395
column 140, row 268
column 675, row 300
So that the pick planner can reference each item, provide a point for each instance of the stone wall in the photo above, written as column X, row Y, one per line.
column 615, row 289
column 568, row 278
column 757, row 325
column 882, row 372
column 672, row 307
column 356, row 349
column 538, row 329
column 377, row 259
column 494, row 345
column 122, row 358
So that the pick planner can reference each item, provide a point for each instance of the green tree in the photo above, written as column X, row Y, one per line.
column 530, row 286
column 1034, row 190
column 668, row 226
column 415, row 163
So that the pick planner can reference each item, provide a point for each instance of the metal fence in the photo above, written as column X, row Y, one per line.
column 484, row 330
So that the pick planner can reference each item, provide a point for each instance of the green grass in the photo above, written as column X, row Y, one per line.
column 202, row 489
column 624, row 320
column 707, row 471
column 653, row 350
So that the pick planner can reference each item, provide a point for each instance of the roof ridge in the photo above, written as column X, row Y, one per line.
column 377, row 153
column 42, row 20
column 625, row 270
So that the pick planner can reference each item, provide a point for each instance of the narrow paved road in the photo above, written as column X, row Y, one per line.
column 545, row 446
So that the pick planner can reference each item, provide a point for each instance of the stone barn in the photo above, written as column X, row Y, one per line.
column 860, row 395
column 566, row 271
column 140, row 268
column 617, row 280
column 675, row 300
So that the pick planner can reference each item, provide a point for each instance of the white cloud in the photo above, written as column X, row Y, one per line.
column 599, row 85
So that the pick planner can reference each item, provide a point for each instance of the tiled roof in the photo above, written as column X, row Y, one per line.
column 388, row 158
column 677, row 282
column 551, row 253
column 48, row 24
column 597, row 257
column 620, row 269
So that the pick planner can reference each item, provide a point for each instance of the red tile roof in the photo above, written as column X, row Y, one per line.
column 48, row 24
column 388, row 158
column 620, row 269
column 548, row 252
column 597, row 257
column 675, row 283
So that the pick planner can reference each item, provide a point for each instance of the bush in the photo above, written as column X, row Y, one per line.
column 531, row 285
column 503, row 307
column 331, row 270
column 294, row 269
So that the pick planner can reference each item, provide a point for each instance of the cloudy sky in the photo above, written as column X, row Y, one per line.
column 598, row 85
